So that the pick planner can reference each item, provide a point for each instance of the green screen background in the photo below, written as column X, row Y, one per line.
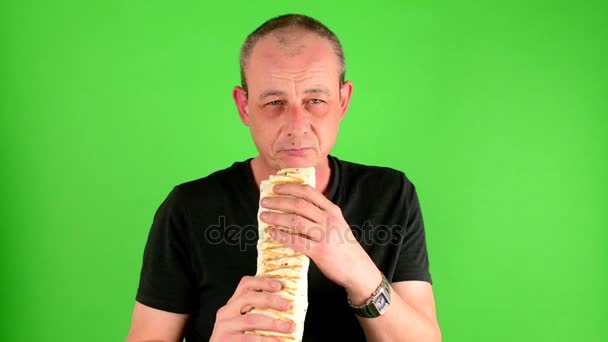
column 497, row 112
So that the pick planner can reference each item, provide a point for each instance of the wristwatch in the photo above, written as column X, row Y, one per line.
column 377, row 304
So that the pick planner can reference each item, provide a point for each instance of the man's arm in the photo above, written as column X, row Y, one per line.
column 153, row 325
column 410, row 317
column 303, row 211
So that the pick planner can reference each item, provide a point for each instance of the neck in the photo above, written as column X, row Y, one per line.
column 262, row 171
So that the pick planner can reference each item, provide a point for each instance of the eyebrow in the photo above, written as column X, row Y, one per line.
column 270, row 93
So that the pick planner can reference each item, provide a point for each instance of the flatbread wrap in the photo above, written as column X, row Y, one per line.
column 276, row 260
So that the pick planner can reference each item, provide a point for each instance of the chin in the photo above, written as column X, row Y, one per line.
column 297, row 163
column 290, row 161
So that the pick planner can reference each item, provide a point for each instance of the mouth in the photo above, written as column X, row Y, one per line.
column 297, row 152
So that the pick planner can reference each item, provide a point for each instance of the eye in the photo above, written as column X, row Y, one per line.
column 315, row 101
column 275, row 103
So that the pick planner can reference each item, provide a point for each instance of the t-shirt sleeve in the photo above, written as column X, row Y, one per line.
column 166, row 281
column 413, row 261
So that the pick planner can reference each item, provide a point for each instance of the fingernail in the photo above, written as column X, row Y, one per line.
column 275, row 284
column 265, row 201
column 264, row 215
column 286, row 326
column 284, row 304
column 277, row 187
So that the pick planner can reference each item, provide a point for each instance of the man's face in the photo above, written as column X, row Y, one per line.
column 294, row 103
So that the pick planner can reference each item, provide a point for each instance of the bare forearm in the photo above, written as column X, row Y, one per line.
column 400, row 323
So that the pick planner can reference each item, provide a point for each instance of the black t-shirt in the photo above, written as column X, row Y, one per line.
column 203, row 241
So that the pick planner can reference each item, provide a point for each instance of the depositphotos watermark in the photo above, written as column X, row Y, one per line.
column 246, row 236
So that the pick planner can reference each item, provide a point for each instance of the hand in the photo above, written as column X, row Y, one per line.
column 232, row 320
column 311, row 224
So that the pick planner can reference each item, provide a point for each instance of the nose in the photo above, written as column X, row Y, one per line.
column 298, row 121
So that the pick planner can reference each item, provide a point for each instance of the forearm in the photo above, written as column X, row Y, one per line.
column 401, row 322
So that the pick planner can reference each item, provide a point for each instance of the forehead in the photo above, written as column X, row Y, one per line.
column 291, row 58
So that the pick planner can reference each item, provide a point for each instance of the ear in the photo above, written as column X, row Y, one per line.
column 346, row 91
column 240, row 99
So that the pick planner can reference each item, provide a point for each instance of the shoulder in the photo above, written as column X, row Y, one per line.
column 381, row 178
column 210, row 188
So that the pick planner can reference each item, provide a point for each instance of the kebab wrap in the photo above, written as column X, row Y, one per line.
column 277, row 261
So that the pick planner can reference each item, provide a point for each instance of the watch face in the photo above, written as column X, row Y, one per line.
column 381, row 302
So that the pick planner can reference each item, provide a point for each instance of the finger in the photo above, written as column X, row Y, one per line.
column 294, row 224
column 306, row 192
column 294, row 205
column 246, row 309
column 259, row 300
column 254, row 321
column 285, row 220
column 249, row 283
column 294, row 241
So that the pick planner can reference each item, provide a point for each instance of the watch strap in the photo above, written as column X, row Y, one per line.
column 377, row 303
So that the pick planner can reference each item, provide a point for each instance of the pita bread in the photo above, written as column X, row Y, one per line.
column 282, row 263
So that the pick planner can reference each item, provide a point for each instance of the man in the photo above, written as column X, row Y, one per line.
column 360, row 225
